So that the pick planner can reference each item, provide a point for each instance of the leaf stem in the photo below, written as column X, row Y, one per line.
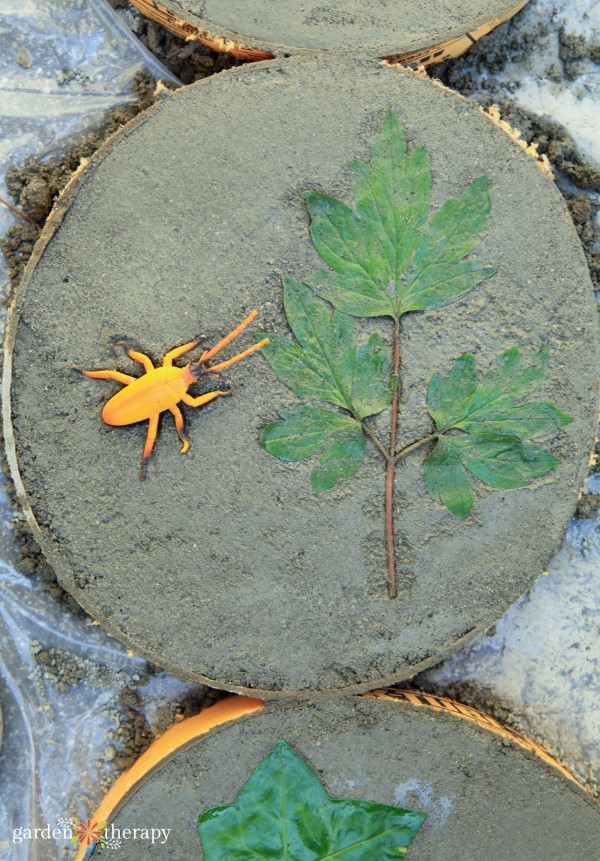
column 390, row 472
column 377, row 442
column 416, row 444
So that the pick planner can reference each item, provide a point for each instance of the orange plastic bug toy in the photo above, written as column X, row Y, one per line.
column 162, row 388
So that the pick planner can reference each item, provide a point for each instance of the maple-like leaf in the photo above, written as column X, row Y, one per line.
column 306, row 431
column 283, row 813
column 325, row 364
column 387, row 257
column 496, row 422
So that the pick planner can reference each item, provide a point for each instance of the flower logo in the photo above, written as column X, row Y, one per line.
column 86, row 833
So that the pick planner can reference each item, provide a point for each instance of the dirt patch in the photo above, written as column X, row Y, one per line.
column 264, row 544
column 188, row 60
column 35, row 185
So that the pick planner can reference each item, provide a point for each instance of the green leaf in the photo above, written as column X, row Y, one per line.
column 327, row 364
column 283, row 813
column 306, row 431
column 501, row 462
column 438, row 272
column 495, row 425
column 446, row 479
column 504, row 462
column 387, row 259
column 491, row 406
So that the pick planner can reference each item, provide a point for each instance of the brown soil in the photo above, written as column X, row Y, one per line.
column 35, row 185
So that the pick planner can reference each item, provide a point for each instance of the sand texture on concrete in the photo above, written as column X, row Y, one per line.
column 484, row 796
column 382, row 28
column 223, row 565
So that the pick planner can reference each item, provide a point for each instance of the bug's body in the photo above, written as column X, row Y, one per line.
column 154, row 392
column 145, row 398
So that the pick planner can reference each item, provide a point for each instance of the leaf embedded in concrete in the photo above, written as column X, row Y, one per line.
column 305, row 431
column 388, row 257
column 284, row 813
column 496, row 421
column 327, row 364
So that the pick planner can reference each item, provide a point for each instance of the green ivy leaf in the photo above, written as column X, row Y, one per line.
column 387, row 259
column 326, row 364
column 306, row 431
column 283, row 813
column 495, row 426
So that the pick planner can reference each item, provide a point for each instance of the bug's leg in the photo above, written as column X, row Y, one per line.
column 152, row 429
column 208, row 354
column 180, row 429
column 142, row 359
column 202, row 399
column 176, row 352
column 124, row 379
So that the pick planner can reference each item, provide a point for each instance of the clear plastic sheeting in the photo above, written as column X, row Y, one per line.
column 50, row 762
column 540, row 664
column 63, row 64
column 62, row 684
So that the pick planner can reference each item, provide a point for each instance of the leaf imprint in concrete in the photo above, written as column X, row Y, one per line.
column 388, row 261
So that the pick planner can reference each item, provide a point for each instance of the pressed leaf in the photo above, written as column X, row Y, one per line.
column 437, row 274
column 446, row 478
column 306, row 431
column 501, row 462
column 358, row 296
column 327, row 364
column 504, row 462
column 387, row 258
column 496, row 426
column 283, row 813
column 491, row 406
column 448, row 397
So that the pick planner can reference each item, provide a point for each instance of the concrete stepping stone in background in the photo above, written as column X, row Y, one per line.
column 416, row 31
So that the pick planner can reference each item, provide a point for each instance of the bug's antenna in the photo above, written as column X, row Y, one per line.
column 237, row 358
column 208, row 354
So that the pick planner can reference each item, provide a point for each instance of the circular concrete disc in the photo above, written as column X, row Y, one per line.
column 259, row 28
column 486, row 798
column 223, row 565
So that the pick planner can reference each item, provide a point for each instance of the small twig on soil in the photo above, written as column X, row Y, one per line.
column 16, row 211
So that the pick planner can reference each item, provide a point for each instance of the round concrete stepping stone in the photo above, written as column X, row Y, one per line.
column 224, row 566
column 487, row 792
column 416, row 31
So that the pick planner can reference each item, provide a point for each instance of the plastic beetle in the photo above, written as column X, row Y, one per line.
column 163, row 388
